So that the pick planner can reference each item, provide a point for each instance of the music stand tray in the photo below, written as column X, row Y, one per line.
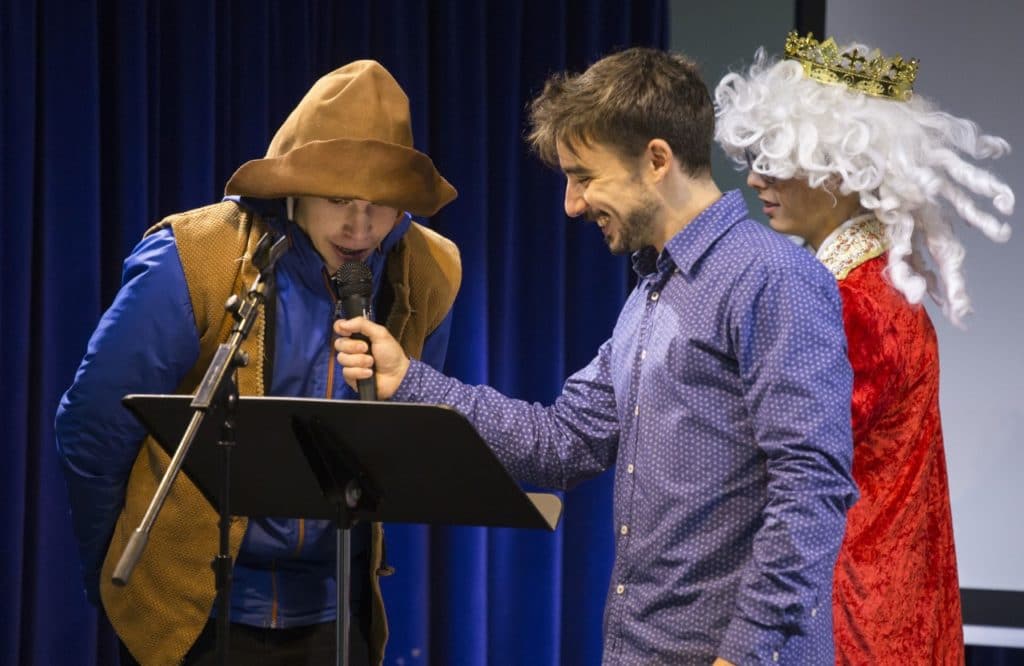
column 416, row 463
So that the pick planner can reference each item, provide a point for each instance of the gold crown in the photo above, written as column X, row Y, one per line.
column 879, row 76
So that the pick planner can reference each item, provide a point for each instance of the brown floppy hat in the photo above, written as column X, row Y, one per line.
column 350, row 137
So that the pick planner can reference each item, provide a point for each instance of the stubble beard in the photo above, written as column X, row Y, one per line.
column 637, row 229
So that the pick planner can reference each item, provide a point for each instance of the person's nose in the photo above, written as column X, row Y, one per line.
column 756, row 181
column 359, row 221
column 575, row 203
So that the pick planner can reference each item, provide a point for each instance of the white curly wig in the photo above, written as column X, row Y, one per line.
column 905, row 160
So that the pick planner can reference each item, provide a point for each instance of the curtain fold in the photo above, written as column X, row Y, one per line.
column 116, row 113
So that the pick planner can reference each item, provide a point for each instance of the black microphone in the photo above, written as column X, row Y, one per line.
column 353, row 285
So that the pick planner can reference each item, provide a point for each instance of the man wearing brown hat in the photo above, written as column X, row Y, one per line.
column 339, row 180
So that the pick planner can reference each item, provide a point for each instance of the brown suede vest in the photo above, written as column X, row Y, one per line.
column 167, row 601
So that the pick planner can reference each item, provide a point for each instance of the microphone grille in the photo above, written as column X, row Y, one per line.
column 353, row 278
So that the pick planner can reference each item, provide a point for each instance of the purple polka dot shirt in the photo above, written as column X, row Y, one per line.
column 722, row 401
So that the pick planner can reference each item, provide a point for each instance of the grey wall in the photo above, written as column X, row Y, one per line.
column 972, row 65
column 722, row 36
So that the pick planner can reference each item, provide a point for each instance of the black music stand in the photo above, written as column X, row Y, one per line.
column 346, row 460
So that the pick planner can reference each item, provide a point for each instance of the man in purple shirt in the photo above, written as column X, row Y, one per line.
column 722, row 398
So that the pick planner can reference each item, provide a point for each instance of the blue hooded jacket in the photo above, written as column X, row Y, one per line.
column 145, row 343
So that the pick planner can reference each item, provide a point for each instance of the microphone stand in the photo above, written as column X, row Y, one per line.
column 215, row 387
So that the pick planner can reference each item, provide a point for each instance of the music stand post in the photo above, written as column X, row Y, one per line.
column 348, row 486
column 346, row 460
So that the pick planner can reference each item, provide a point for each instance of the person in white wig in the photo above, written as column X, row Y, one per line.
column 872, row 176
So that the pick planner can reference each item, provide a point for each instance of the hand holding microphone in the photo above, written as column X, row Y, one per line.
column 385, row 368
column 387, row 364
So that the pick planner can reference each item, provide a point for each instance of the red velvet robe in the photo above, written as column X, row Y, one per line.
column 896, row 595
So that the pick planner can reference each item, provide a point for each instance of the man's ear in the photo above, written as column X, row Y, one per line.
column 658, row 158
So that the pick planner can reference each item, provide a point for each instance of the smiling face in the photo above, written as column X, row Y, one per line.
column 793, row 207
column 603, row 188
column 344, row 230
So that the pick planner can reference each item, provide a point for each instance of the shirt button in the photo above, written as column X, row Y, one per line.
column 620, row 589
column 654, row 295
column 814, row 612
column 643, row 354
column 775, row 656
column 624, row 530
column 636, row 411
column 629, row 468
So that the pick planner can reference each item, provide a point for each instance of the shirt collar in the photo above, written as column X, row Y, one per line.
column 687, row 247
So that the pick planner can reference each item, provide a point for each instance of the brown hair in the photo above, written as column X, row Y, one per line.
column 624, row 100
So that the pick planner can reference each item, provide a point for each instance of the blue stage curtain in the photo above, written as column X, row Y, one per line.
column 118, row 112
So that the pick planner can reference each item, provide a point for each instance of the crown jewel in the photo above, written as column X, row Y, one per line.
column 879, row 76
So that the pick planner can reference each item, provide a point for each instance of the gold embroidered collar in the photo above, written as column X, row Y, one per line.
column 858, row 240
